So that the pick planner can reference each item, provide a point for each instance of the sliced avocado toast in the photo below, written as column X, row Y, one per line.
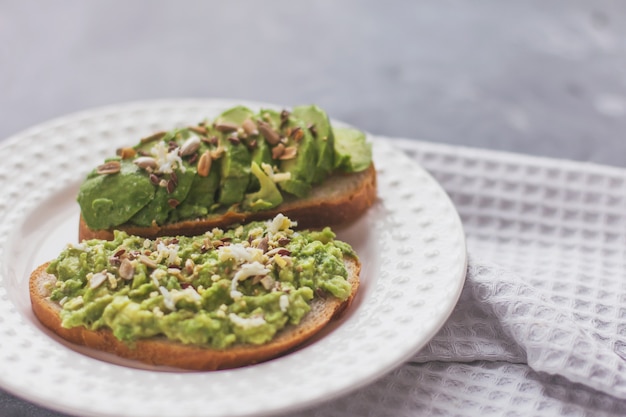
column 241, row 161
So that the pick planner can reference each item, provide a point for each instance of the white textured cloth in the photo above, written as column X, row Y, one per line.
column 540, row 328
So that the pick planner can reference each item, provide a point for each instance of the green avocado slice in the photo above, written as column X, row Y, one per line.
column 203, row 190
column 268, row 195
column 235, row 163
column 164, row 201
column 104, row 206
column 318, row 124
column 301, row 167
column 352, row 152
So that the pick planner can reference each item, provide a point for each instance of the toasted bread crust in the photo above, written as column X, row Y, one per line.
column 160, row 351
column 343, row 197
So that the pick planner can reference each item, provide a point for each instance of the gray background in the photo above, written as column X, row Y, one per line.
column 537, row 77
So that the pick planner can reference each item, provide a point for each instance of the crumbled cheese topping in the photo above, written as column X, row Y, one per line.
column 278, row 223
column 78, row 246
column 169, row 252
column 246, row 271
column 283, row 302
column 166, row 160
column 168, row 300
column 247, row 323
column 239, row 253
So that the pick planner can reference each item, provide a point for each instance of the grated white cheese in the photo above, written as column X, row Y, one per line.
column 157, row 275
column 78, row 246
column 246, row 271
column 283, row 302
column 278, row 223
column 166, row 161
column 239, row 253
column 250, row 270
column 168, row 300
column 188, row 293
column 247, row 323
column 169, row 252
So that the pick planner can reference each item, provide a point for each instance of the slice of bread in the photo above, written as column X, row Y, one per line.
column 340, row 198
column 161, row 351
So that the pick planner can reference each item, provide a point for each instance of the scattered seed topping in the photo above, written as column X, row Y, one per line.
column 290, row 152
column 147, row 261
column 95, row 280
column 313, row 130
column 211, row 141
column 126, row 269
column 111, row 167
column 126, row 153
column 204, row 164
column 234, row 140
column 277, row 151
column 284, row 118
column 154, row 179
column 146, row 162
column 297, row 134
column 250, row 127
column 154, row 137
column 190, row 146
column 226, row 127
column 268, row 133
column 200, row 130
column 173, row 203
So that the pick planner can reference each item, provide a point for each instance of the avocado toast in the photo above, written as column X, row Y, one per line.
column 241, row 166
column 224, row 299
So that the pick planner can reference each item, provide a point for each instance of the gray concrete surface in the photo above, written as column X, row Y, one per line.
column 537, row 77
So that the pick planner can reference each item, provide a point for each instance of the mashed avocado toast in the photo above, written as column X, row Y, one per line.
column 239, row 167
column 226, row 298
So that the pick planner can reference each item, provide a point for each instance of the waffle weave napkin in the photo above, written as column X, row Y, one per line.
column 540, row 327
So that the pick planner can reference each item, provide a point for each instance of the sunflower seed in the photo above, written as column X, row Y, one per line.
column 268, row 133
column 204, row 164
column 126, row 153
column 153, row 137
column 111, row 167
column 146, row 162
column 250, row 127
column 190, row 146
column 200, row 130
column 226, row 127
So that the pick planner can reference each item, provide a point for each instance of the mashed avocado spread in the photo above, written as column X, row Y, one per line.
column 240, row 161
column 241, row 285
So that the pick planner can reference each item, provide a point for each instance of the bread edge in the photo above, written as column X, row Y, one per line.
column 163, row 352
column 311, row 212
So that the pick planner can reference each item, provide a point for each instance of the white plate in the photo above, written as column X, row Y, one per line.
column 411, row 244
